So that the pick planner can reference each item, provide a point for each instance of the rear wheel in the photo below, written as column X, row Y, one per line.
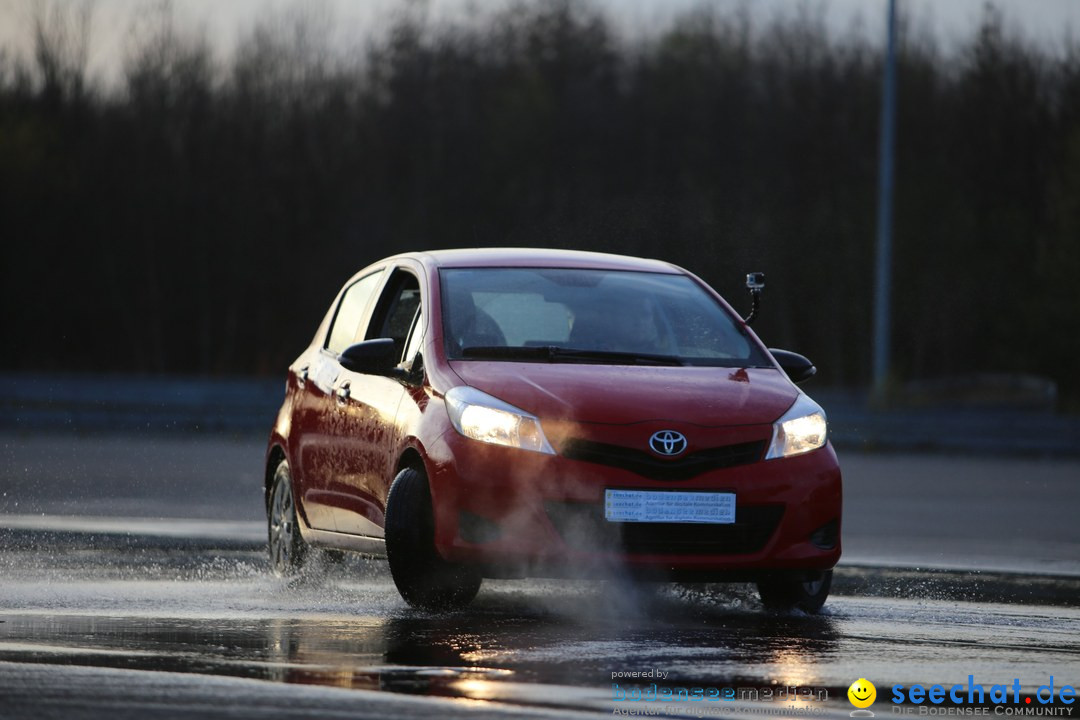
column 424, row 579
column 288, row 551
column 805, row 591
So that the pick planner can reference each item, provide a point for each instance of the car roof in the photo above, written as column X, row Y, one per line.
column 538, row 257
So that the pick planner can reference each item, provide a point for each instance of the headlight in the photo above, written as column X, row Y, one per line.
column 488, row 419
column 801, row 429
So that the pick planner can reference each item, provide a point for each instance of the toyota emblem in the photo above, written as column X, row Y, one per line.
column 667, row 442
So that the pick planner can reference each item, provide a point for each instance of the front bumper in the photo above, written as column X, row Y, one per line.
column 520, row 513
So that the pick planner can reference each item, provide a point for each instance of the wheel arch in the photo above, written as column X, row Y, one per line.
column 274, row 456
column 412, row 457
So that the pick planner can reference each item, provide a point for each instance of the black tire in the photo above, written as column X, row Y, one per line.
column 288, row 551
column 424, row 579
column 804, row 591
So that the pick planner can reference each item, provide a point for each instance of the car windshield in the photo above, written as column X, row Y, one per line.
column 589, row 316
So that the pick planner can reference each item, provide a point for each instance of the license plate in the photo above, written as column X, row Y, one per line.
column 669, row 507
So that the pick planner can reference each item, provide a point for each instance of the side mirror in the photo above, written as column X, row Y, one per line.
column 372, row 357
column 797, row 367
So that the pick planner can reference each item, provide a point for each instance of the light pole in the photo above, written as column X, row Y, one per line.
column 883, row 269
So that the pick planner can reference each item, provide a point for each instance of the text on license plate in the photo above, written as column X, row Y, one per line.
column 669, row 506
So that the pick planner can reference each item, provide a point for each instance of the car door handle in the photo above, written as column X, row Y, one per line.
column 342, row 394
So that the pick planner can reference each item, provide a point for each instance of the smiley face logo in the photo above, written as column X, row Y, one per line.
column 862, row 693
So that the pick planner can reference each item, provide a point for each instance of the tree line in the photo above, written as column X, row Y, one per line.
column 198, row 216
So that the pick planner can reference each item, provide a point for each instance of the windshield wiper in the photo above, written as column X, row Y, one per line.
column 553, row 353
column 504, row 352
column 611, row 357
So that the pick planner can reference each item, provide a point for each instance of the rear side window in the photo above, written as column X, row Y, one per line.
column 346, row 329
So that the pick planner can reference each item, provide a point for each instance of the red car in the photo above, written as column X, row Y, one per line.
column 513, row 413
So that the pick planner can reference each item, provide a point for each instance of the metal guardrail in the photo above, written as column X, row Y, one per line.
column 855, row 425
column 114, row 403
column 120, row 404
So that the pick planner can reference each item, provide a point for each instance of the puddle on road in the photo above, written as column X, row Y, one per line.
column 483, row 654
column 224, row 614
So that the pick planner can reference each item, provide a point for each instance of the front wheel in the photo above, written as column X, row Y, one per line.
column 804, row 591
column 288, row 551
column 424, row 579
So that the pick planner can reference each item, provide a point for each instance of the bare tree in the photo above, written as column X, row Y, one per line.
column 61, row 46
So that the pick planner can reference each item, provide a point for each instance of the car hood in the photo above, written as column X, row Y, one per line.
column 618, row 394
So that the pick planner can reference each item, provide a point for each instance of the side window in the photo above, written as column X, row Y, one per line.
column 350, row 313
column 396, row 310
column 415, row 337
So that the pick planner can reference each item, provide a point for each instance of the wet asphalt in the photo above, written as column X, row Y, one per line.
column 120, row 630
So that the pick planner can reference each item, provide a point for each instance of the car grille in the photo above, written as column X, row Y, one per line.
column 582, row 526
column 654, row 468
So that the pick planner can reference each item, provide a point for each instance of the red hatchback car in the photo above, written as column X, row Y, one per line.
column 513, row 413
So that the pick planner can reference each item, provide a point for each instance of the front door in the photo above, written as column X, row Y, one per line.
column 317, row 411
column 367, row 406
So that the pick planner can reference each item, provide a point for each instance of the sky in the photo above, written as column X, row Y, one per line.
column 225, row 21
